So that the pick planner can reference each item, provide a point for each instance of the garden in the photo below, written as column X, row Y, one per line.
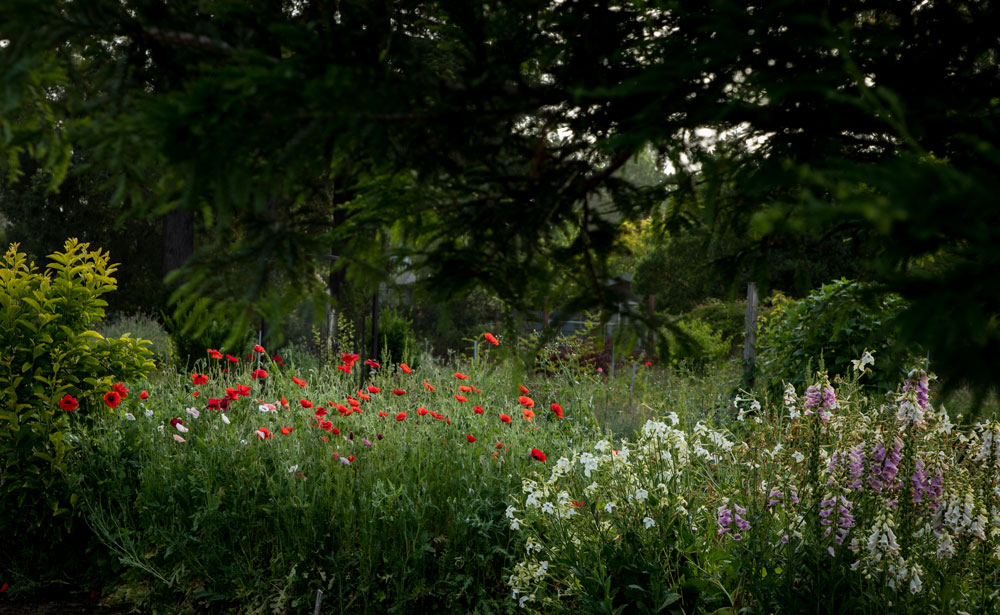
column 255, row 482
column 437, row 306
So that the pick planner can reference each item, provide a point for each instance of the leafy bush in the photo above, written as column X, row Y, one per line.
column 141, row 326
column 834, row 324
column 53, row 367
column 726, row 317
column 191, row 346
column 696, row 344
column 396, row 338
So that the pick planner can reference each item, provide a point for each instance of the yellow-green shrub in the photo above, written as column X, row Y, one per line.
column 48, row 350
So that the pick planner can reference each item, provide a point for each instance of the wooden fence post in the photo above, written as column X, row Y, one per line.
column 750, row 337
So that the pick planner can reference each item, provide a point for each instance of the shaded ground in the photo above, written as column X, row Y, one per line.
column 58, row 605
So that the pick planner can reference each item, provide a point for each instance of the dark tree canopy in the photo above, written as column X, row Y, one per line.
column 484, row 139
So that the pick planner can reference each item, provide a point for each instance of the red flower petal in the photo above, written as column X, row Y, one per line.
column 461, row 376
column 306, row 403
column 401, row 416
column 470, row 438
column 489, row 338
column 406, row 368
column 537, row 454
column 478, row 409
column 505, row 418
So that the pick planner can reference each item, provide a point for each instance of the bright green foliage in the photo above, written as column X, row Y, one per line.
column 696, row 344
column 834, row 324
column 48, row 350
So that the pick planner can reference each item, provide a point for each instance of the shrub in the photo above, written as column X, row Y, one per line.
column 191, row 346
column 834, row 324
column 396, row 338
column 696, row 344
column 141, row 326
column 726, row 317
column 53, row 368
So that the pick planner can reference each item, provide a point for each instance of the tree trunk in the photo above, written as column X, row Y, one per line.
column 178, row 239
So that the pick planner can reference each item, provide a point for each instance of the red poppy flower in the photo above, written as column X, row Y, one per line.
column 242, row 390
column 437, row 415
column 112, row 399
column 306, row 403
column 578, row 504
column 371, row 363
column 284, row 402
column 278, row 360
column 232, row 359
column 341, row 408
column 489, row 338
column 422, row 411
column 214, row 404
column 470, row 438
column 174, row 422
column 286, row 430
column 499, row 444
column 527, row 402
column 465, row 389
column 353, row 401
column 648, row 363
column 321, row 412
column 461, row 376
column 406, row 368
column 264, row 433
column 364, row 396
column 69, row 403
column 382, row 414
column 477, row 390
column 335, row 431
column 428, row 387
column 478, row 409
column 374, row 390
column 401, row 416
column 349, row 359
column 3, row 588
column 195, row 393
column 505, row 418
column 215, row 354
column 350, row 458
column 398, row 392
column 528, row 414
column 537, row 454
column 121, row 389
column 144, row 394
column 258, row 373
column 523, row 388
column 299, row 381
column 326, row 425
column 460, row 398
column 259, row 348
column 344, row 368
column 557, row 410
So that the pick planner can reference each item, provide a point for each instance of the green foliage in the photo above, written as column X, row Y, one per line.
column 190, row 343
column 726, row 317
column 48, row 349
column 835, row 324
column 696, row 344
column 141, row 326
column 396, row 338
